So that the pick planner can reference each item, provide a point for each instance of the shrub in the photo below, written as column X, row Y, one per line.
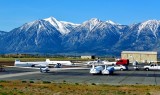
column 24, row 81
column 1, row 86
column 76, row 83
column 64, row 80
column 46, row 82
column 93, row 84
column 31, row 81
column 148, row 93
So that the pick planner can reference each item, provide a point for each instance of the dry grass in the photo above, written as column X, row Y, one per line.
column 48, row 88
column 42, row 59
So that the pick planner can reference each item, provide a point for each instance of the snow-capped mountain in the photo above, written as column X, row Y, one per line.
column 92, row 37
column 91, row 24
column 36, row 36
column 141, row 36
column 62, row 26
column 150, row 26
column 111, row 22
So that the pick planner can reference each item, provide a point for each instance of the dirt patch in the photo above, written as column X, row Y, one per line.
column 7, row 63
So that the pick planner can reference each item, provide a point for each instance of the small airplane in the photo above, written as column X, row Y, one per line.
column 100, row 70
column 46, row 66
column 47, row 63
column 58, row 64
column 18, row 63
column 112, row 66
column 118, row 62
column 99, row 62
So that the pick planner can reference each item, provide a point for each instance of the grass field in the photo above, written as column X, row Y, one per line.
column 49, row 88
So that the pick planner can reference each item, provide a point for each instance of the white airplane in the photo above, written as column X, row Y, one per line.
column 47, row 63
column 58, row 64
column 99, row 62
column 44, row 66
column 109, row 63
column 18, row 63
column 101, row 70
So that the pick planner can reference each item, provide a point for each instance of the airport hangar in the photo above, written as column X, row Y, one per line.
column 140, row 56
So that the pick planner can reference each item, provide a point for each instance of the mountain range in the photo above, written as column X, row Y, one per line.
column 92, row 37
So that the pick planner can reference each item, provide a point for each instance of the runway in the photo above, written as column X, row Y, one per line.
column 83, row 76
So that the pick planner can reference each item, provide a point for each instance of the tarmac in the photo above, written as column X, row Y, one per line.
column 129, row 77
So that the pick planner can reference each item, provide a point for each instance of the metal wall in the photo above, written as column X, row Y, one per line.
column 142, row 57
column 87, row 57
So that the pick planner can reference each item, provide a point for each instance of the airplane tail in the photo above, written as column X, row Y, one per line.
column 47, row 60
column 17, row 60
column 93, row 65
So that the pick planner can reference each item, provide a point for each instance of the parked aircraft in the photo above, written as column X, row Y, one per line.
column 44, row 66
column 47, row 63
column 58, row 64
column 18, row 63
column 118, row 62
column 100, row 62
column 101, row 70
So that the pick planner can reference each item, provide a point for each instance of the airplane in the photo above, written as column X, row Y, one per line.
column 100, row 70
column 18, row 63
column 47, row 63
column 118, row 62
column 44, row 66
column 58, row 64
column 99, row 62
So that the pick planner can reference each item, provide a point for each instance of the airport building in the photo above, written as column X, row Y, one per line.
column 88, row 57
column 140, row 56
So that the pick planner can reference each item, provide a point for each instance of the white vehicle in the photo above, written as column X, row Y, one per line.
column 135, row 65
column 101, row 70
column 152, row 67
column 120, row 67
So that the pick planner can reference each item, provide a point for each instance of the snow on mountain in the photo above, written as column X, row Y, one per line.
column 93, row 36
column 150, row 25
column 62, row 26
column 140, row 36
column 92, row 23
column 37, row 36
column 38, row 24
column 69, row 23
column 111, row 22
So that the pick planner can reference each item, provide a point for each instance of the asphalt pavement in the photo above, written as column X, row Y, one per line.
column 82, row 76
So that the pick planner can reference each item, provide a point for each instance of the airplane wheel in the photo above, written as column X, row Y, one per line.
column 100, row 72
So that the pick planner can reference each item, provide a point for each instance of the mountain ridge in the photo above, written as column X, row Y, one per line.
column 91, row 37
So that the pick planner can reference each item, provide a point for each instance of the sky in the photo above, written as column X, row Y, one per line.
column 14, row 13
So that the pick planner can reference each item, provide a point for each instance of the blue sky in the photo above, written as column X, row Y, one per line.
column 14, row 13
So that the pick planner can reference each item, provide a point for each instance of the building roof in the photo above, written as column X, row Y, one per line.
column 142, row 52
